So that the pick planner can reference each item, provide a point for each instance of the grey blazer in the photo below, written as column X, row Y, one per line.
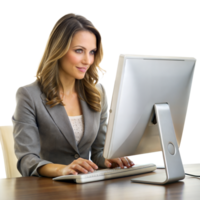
column 44, row 135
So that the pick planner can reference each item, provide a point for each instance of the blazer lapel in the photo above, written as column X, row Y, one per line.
column 90, row 121
column 61, row 119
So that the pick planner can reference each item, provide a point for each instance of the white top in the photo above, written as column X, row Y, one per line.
column 78, row 126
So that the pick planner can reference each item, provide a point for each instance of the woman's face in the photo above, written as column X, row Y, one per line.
column 80, row 55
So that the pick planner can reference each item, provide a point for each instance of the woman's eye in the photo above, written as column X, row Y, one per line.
column 78, row 50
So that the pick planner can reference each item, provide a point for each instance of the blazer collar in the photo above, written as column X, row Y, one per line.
column 61, row 119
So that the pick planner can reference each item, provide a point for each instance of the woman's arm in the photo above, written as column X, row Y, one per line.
column 51, row 170
column 26, row 135
column 98, row 145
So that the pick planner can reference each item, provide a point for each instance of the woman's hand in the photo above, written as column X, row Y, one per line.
column 79, row 166
column 119, row 162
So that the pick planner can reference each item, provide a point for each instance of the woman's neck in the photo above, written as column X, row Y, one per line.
column 68, row 84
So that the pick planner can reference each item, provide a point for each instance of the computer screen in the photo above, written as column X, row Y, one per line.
column 143, row 82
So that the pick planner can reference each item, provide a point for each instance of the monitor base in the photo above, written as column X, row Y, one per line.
column 152, row 179
column 172, row 160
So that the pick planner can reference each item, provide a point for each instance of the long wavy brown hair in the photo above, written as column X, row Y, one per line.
column 57, row 46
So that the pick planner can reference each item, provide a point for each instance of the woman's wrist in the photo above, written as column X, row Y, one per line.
column 60, row 169
column 51, row 170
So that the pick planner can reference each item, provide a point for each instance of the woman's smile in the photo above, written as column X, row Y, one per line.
column 82, row 69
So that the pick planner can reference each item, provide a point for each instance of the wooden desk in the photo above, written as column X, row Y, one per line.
column 27, row 188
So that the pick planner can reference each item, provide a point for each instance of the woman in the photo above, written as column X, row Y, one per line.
column 61, row 117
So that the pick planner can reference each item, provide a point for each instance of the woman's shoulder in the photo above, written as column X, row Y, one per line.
column 33, row 90
column 102, row 92
column 100, row 87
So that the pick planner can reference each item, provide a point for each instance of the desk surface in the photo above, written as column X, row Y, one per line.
column 27, row 188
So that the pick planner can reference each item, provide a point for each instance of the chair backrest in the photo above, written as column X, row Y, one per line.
column 7, row 144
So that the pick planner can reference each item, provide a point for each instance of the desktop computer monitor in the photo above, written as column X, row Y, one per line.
column 148, row 110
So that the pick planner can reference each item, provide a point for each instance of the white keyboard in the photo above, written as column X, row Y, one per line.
column 103, row 174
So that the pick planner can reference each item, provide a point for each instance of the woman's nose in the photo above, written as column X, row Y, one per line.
column 87, row 60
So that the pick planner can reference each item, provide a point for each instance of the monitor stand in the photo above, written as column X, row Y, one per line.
column 173, row 165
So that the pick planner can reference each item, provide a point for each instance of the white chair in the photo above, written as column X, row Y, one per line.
column 7, row 144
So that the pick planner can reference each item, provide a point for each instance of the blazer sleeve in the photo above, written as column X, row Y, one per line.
column 98, row 144
column 26, row 135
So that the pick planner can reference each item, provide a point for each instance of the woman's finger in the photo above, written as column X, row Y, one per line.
column 125, row 162
column 94, row 166
column 119, row 162
column 71, row 171
column 87, row 166
column 88, row 163
column 79, row 168
column 108, row 163
column 130, row 161
column 68, row 170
